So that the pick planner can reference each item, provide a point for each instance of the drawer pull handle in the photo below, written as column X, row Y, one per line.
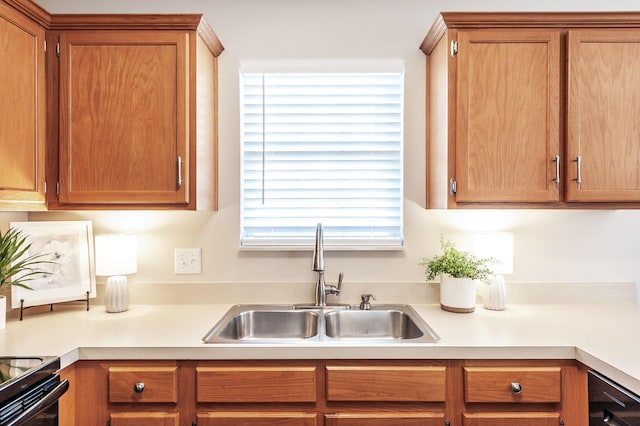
column 516, row 388
column 138, row 387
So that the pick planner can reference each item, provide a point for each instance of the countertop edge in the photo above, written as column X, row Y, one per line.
column 174, row 332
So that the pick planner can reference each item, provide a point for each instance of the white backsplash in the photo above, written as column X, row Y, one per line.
column 406, row 293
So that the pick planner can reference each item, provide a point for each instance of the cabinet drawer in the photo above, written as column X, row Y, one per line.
column 384, row 383
column 257, row 419
column 256, row 384
column 384, row 419
column 160, row 384
column 535, row 384
column 510, row 419
column 146, row 419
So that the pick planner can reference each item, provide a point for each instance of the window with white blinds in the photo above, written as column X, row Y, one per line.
column 322, row 147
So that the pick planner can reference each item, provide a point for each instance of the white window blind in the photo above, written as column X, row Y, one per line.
column 322, row 147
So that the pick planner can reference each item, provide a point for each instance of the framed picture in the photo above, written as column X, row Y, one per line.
column 69, row 246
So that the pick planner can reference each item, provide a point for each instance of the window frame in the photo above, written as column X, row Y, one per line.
column 330, row 242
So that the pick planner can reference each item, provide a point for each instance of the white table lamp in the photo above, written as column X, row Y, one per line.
column 116, row 257
column 500, row 247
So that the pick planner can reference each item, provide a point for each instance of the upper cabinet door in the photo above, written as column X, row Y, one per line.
column 22, row 111
column 507, row 116
column 124, row 124
column 603, row 116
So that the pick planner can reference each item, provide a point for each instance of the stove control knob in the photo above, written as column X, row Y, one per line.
column 138, row 387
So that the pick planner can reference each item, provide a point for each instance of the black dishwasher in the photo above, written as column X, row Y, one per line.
column 611, row 404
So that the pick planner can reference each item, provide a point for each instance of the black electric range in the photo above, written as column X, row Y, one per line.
column 29, row 391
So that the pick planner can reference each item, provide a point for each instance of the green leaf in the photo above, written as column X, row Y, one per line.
column 456, row 263
column 15, row 268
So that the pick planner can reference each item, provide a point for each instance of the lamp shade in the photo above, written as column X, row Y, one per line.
column 498, row 245
column 116, row 254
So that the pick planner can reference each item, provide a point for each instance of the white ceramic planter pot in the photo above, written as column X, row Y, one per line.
column 3, row 312
column 457, row 294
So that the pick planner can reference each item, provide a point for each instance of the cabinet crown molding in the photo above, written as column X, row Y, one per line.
column 181, row 22
column 31, row 10
column 508, row 20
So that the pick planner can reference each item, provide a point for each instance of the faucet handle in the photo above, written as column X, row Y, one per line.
column 339, row 286
column 335, row 289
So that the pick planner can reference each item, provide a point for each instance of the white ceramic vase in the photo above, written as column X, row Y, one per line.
column 457, row 294
column 3, row 312
column 117, row 294
column 494, row 296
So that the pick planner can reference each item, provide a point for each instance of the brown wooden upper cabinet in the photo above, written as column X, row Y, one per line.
column 22, row 110
column 533, row 110
column 137, row 112
column 603, row 115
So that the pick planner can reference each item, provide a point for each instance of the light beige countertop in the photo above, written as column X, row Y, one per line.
column 604, row 337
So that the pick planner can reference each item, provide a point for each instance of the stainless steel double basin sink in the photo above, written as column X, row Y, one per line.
column 298, row 324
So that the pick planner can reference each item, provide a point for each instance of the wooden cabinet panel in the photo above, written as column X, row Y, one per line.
column 511, row 419
column 256, row 384
column 507, row 115
column 384, row 419
column 257, row 419
column 160, row 384
column 385, row 383
column 495, row 384
column 137, row 117
column 327, row 393
column 498, row 89
column 22, row 111
column 124, row 117
column 144, row 419
column 603, row 115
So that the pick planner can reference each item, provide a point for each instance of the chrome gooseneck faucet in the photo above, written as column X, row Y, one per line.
column 322, row 289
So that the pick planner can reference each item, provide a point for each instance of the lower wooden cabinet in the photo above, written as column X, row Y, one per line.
column 386, row 383
column 512, row 384
column 326, row 393
column 511, row 419
column 143, row 384
column 144, row 419
column 127, row 393
column 256, row 383
column 533, row 393
column 257, row 419
column 385, row 419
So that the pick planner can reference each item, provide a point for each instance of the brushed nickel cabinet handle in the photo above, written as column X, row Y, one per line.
column 180, row 171
column 557, row 160
column 516, row 388
column 138, row 387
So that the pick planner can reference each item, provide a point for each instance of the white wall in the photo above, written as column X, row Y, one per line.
column 550, row 246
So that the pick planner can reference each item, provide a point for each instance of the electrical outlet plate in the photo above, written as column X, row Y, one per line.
column 188, row 261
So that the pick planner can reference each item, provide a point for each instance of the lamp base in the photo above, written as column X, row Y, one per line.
column 117, row 297
column 494, row 296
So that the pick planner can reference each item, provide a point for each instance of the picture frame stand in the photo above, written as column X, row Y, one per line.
column 23, row 308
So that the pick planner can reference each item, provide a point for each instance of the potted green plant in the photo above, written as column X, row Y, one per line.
column 16, row 266
column 458, row 270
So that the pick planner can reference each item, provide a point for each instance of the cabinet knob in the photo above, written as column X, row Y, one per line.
column 138, row 387
column 516, row 388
